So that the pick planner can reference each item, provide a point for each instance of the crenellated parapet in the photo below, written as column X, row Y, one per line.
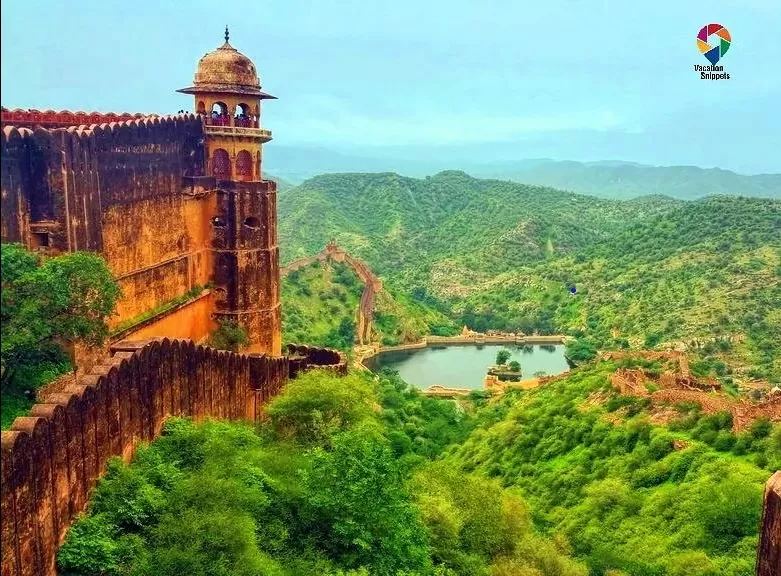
column 31, row 118
column 52, row 459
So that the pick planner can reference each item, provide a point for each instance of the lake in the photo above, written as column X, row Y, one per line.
column 466, row 366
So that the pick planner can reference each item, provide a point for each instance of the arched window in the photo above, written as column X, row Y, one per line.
column 201, row 109
column 219, row 114
column 243, row 116
column 221, row 164
column 244, row 166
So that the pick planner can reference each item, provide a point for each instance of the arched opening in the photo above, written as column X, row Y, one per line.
column 244, row 117
column 251, row 222
column 219, row 114
column 201, row 108
column 244, row 166
column 221, row 164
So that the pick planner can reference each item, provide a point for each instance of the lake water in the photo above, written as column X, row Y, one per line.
column 466, row 366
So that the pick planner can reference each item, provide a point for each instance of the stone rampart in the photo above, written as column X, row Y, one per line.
column 372, row 284
column 120, row 188
column 677, row 388
column 53, row 119
column 53, row 458
column 769, row 549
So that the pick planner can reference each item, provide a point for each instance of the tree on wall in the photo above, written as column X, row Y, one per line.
column 50, row 304
column 229, row 336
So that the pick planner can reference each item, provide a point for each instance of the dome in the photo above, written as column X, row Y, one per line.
column 226, row 66
column 228, row 71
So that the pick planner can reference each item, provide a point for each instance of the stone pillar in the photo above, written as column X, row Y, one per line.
column 769, row 551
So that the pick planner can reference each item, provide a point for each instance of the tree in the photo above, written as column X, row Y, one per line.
column 229, row 336
column 357, row 508
column 581, row 350
column 503, row 356
column 46, row 305
column 515, row 366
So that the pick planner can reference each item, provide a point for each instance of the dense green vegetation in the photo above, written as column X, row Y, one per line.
column 362, row 475
column 498, row 255
column 628, row 494
column 327, row 486
column 46, row 307
column 320, row 303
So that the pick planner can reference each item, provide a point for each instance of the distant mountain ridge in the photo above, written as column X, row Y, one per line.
column 604, row 178
column 627, row 180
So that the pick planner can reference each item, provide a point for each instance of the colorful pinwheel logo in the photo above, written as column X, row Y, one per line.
column 713, row 41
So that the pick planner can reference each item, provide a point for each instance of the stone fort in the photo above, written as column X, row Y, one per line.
column 177, row 205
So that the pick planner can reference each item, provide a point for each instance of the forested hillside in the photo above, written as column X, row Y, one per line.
column 501, row 255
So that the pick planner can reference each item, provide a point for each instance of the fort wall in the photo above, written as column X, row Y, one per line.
column 52, row 459
column 372, row 284
column 123, row 189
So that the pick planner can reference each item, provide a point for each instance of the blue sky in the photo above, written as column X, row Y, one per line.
column 569, row 79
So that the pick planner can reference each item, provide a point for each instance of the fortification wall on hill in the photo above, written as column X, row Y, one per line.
column 52, row 459
column 372, row 284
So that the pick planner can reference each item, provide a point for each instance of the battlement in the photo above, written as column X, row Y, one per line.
column 52, row 459
column 51, row 119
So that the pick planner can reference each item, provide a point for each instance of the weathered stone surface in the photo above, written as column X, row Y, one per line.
column 769, row 551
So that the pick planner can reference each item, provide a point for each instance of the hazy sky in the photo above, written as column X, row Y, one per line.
column 578, row 79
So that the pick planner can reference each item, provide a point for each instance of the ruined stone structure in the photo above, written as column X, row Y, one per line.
column 371, row 284
column 172, row 203
column 53, row 458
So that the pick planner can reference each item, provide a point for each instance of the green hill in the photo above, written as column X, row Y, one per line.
column 393, row 221
column 501, row 255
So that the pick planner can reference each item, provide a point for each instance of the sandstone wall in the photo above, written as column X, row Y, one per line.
column 114, row 188
column 769, row 550
column 53, row 458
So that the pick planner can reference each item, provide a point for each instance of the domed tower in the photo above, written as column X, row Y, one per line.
column 227, row 96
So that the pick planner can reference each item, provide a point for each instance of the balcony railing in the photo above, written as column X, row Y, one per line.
column 239, row 122
column 262, row 133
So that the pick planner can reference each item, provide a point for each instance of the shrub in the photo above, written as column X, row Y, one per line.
column 661, row 446
column 724, row 441
column 730, row 511
column 760, row 428
column 316, row 406
column 228, row 336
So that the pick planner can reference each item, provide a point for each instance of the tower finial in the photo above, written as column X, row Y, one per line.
column 227, row 34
